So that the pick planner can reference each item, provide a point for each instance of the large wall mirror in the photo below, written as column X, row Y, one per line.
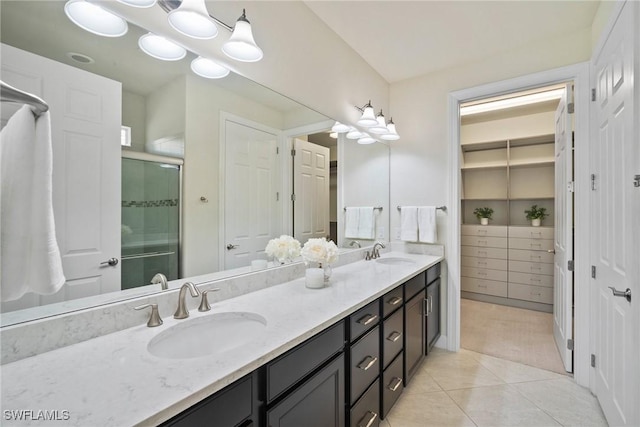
column 205, row 160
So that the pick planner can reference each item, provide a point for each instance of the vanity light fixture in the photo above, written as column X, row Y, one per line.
column 392, row 135
column 333, row 135
column 381, row 125
column 192, row 19
column 354, row 133
column 93, row 18
column 161, row 48
column 366, row 139
column 340, row 128
column 368, row 117
column 208, row 68
column 241, row 46
column 139, row 3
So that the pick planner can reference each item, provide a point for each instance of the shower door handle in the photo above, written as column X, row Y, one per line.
column 231, row 246
column 111, row 262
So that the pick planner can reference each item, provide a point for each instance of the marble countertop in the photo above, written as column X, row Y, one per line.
column 114, row 381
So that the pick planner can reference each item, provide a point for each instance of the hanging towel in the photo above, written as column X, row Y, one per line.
column 409, row 223
column 352, row 221
column 427, row 224
column 366, row 227
column 29, row 254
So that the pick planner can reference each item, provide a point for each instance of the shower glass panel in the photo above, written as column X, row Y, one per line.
column 150, row 221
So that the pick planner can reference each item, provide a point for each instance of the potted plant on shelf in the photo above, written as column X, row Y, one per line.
column 536, row 215
column 483, row 214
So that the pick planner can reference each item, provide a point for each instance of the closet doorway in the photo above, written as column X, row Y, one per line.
column 516, row 170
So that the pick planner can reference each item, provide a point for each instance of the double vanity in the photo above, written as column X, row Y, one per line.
column 284, row 355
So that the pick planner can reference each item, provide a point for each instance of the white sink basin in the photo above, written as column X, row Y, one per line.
column 207, row 336
column 395, row 261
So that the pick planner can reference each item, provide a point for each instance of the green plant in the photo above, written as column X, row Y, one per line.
column 536, row 213
column 484, row 212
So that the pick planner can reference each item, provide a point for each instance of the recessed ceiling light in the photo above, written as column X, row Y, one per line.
column 80, row 57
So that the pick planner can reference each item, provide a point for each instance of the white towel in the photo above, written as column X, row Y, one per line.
column 366, row 226
column 351, row 223
column 29, row 254
column 409, row 223
column 427, row 224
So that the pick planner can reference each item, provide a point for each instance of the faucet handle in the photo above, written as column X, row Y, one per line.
column 204, row 303
column 154, row 319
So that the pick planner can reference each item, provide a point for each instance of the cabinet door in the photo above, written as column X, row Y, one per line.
column 433, row 314
column 414, row 335
column 319, row 402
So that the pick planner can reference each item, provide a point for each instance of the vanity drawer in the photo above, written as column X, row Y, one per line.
column 484, row 273
column 364, row 319
column 494, row 264
column 392, row 301
column 391, row 385
column 484, row 230
column 483, row 252
column 533, row 256
column 531, row 232
column 392, row 341
column 530, row 244
column 485, row 242
column 292, row 366
column 531, row 279
column 366, row 413
column 531, row 293
column 480, row 286
column 365, row 363
column 414, row 285
column 531, row 267
column 433, row 273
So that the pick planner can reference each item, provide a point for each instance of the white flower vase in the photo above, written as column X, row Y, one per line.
column 327, row 274
column 536, row 222
column 484, row 221
column 314, row 278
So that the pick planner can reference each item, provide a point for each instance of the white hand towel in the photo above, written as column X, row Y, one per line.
column 427, row 224
column 409, row 223
column 29, row 254
column 352, row 221
column 366, row 227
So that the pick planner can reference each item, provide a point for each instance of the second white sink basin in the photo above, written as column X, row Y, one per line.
column 395, row 261
column 207, row 335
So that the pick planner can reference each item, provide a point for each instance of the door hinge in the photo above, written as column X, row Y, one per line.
column 293, row 197
column 636, row 181
column 571, row 186
column 570, row 265
column 593, row 360
column 593, row 182
column 277, row 196
column 293, row 152
column 570, row 107
column 277, row 150
column 570, row 345
column 593, row 271
column 593, row 94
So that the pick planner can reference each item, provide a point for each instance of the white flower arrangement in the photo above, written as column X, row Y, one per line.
column 283, row 248
column 320, row 250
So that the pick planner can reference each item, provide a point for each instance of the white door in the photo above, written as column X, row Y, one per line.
column 311, row 190
column 85, row 111
column 615, row 225
column 563, row 245
column 251, row 196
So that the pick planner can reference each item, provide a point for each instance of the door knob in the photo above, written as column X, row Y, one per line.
column 111, row 261
column 231, row 246
column 626, row 294
column 551, row 251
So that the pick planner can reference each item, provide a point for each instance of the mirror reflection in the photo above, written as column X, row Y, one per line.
column 203, row 177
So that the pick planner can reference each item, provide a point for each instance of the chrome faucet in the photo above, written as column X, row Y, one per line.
column 160, row 279
column 355, row 243
column 182, row 312
column 375, row 252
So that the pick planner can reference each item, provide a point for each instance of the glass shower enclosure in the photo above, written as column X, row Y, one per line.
column 150, row 221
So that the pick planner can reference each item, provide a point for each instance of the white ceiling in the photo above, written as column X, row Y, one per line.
column 404, row 39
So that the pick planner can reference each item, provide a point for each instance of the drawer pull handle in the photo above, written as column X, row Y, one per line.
column 535, row 279
column 394, row 301
column 368, row 419
column 482, row 286
column 394, row 336
column 482, row 252
column 367, row 363
column 368, row 319
column 483, row 242
column 394, row 384
column 536, row 267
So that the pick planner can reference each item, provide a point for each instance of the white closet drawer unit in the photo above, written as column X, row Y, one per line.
column 484, row 273
column 484, row 230
column 531, row 279
column 494, row 264
column 531, row 293
column 531, row 232
column 531, row 267
column 480, row 286
column 488, row 242
column 532, row 256
column 530, row 244
column 483, row 252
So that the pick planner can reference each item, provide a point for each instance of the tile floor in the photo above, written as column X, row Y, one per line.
column 473, row 389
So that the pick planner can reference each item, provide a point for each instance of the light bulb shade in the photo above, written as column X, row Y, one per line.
column 205, row 67
column 161, row 48
column 380, row 127
column 241, row 46
column 368, row 117
column 192, row 19
column 139, row 3
column 393, row 134
column 340, row 128
column 333, row 135
column 96, row 20
column 366, row 139
column 354, row 134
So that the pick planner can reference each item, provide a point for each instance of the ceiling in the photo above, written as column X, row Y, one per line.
column 405, row 39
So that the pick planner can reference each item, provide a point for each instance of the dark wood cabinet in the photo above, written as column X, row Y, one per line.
column 414, row 336
column 366, row 412
column 432, row 307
